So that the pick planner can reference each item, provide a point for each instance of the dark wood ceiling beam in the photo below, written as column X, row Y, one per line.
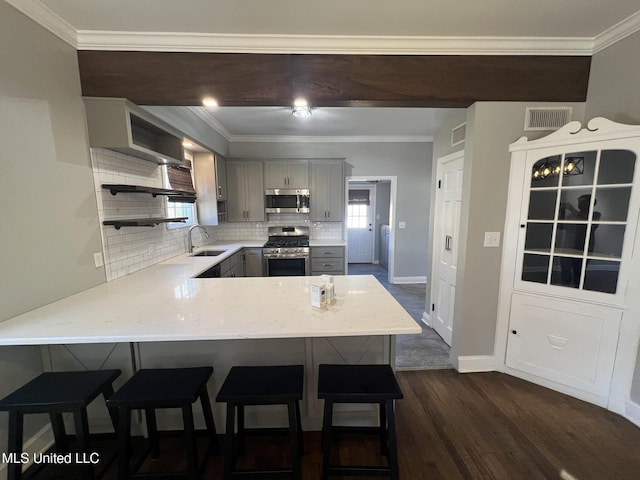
column 169, row 78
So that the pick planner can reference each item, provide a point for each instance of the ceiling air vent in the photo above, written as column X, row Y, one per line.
column 458, row 134
column 546, row 118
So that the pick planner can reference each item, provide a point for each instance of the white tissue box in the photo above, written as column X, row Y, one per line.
column 318, row 295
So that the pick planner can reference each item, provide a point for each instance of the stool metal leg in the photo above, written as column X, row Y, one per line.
column 124, row 429
column 152, row 431
column 190, row 441
column 230, row 454
column 14, row 470
column 107, row 391
column 209, row 422
column 82, row 435
column 241, row 435
column 393, row 444
column 59, row 433
column 294, row 436
column 326, row 438
column 299, row 423
column 384, row 448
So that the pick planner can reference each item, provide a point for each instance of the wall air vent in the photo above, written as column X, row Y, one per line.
column 458, row 134
column 538, row 119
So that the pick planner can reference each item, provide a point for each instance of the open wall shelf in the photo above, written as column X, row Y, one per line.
column 141, row 222
column 174, row 195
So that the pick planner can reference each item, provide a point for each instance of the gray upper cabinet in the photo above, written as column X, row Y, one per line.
column 209, row 181
column 286, row 174
column 117, row 124
column 245, row 185
column 221, row 178
column 327, row 190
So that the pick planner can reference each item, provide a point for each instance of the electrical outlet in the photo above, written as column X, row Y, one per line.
column 402, row 224
column 97, row 259
column 491, row 239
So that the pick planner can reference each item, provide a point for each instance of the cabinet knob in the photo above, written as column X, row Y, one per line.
column 514, row 332
column 522, row 225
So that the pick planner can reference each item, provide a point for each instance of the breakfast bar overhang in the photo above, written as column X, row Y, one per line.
column 164, row 317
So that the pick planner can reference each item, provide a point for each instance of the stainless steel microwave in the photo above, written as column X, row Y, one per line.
column 281, row 200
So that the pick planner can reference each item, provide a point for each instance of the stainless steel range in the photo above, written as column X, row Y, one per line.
column 286, row 253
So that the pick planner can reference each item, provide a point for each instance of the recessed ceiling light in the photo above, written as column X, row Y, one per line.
column 209, row 102
column 300, row 108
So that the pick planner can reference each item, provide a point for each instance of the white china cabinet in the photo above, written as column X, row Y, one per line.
column 569, row 238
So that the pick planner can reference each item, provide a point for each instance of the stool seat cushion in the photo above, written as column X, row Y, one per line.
column 162, row 387
column 371, row 383
column 270, row 384
column 59, row 390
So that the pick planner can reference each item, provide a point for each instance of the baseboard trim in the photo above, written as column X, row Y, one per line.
column 632, row 413
column 409, row 280
column 426, row 319
column 40, row 442
column 476, row 363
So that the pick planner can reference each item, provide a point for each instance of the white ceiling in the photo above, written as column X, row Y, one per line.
column 269, row 123
column 513, row 18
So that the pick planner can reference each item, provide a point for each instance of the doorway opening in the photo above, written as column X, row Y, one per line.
column 369, row 222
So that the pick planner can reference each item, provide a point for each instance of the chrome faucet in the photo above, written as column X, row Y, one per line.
column 206, row 234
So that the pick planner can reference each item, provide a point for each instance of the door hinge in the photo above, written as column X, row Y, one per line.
column 433, row 307
column 439, row 183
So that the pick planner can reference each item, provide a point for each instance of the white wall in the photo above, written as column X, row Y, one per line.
column 410, row 162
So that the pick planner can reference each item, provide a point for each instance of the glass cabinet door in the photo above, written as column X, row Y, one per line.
column 578, row 209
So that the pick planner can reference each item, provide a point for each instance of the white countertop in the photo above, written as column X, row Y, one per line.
column 165, row 303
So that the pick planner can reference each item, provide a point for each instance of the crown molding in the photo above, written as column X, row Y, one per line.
column 619, row 31
column 332, row 139
column 210, row 120
column 42, row 15
column 332, row 44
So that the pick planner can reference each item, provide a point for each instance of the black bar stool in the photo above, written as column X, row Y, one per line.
column 151, row 389
column 263, row 385
column 56, row 393
column 360, row 384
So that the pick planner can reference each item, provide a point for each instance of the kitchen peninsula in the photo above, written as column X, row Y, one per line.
column 162, row 316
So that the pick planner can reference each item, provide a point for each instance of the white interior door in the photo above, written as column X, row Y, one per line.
column 360, row 213
column 445, row 249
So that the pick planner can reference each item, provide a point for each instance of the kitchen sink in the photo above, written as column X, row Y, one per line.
column 208, row 253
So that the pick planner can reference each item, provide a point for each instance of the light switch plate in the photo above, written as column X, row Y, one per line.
column 402, row 224
column 491, row 239
column 97, row 259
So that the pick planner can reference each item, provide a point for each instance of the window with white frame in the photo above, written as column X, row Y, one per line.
column 179, row 178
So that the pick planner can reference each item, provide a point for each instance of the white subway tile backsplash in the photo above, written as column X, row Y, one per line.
column 127, row 250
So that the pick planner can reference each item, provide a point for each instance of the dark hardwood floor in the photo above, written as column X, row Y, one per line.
column 466, row 426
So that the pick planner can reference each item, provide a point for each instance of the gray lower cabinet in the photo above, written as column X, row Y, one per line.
column 327, row 260
column 232, row 266
column 252, row 262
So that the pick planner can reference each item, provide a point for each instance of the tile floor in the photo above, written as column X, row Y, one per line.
column 413, row 352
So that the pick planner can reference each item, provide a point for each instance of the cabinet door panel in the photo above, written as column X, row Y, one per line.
column 298, row 174
column 255, row 192
column 235, row 191
column 567, row 342
column 275, row 174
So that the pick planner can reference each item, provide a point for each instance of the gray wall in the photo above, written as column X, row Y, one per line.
column 491, row 127
column 410, row 162
column 614, row 94
column 49, row 217
column 613, row 83
column 383, row 193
